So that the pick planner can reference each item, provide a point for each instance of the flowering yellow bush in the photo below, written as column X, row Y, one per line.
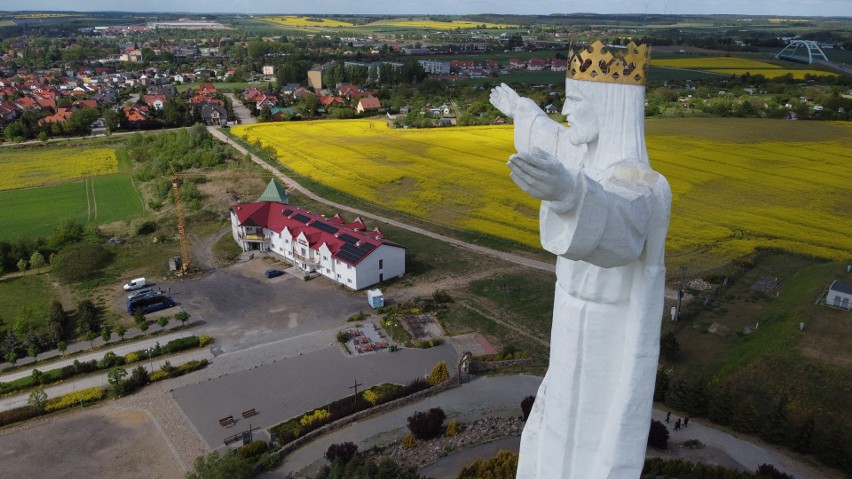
column 318, row 415
column 408, row 441
column 73, row 399
column 452, row 429
column 131, row 358
column 25, row 168
column 158, row 375
column 371, row 397
column 781, row 185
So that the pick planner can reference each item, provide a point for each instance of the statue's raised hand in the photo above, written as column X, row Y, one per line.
column 541, row 175
column 505, row 99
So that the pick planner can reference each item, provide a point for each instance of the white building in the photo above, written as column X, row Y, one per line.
column 434, row 67
column 345, row 252
column 839, row 295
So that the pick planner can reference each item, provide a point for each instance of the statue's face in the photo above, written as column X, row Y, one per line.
column 581, row 117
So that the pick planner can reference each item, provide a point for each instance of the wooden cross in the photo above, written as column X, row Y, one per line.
column 355, row 387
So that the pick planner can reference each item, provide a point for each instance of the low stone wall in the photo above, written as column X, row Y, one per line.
column 480, row 366
column 375, row 410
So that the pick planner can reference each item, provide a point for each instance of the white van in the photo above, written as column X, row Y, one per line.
column 135, row 284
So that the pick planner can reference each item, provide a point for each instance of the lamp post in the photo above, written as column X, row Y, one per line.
column 151, row 359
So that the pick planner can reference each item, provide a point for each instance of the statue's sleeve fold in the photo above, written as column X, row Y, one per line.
column 533, row 128
column 606, row 226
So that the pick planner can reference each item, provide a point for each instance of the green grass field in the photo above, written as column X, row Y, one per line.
column 34, row 212
column 27, row 296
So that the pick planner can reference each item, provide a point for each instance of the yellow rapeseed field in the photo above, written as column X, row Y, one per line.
column 300, row 21
column 772, row 72
column 783, row 184
column 424, row 23
column 703, row 63
column 25, row 168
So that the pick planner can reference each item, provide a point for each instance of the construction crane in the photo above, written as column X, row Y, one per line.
column 176, row 177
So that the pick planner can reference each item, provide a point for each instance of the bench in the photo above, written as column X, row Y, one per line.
column 251, row 412
column 226, row 421
column 234, row 438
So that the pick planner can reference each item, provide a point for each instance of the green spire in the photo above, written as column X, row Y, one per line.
column 274, row 192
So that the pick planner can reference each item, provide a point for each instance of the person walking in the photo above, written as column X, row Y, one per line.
column 686, row 421
column 668, row 416
column 677, row 425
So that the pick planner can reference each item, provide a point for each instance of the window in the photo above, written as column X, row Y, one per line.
column 381, row 263
column 325, row 258
column 348, row 266
column 349, row 280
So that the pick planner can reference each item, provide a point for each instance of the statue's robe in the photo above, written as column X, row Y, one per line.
column 592, row 413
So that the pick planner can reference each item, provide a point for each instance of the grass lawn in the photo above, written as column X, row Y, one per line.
column 34, row 212
column 29, row 295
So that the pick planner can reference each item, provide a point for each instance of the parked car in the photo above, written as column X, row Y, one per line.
column 271, row 273
column 149, row 304
column 142, row 292
column 134, row 284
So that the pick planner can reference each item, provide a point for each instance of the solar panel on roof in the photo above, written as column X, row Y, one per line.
column 348, row 238
column 368, row 246
column 288, row 212
column 324, row 227
column 301, row 218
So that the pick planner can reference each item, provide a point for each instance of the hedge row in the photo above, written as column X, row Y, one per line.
column 72, row 399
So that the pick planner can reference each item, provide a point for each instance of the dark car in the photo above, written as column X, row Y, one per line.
column 272, row 273
column 149, row 304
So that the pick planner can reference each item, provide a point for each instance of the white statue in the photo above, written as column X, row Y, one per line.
column 605, row 214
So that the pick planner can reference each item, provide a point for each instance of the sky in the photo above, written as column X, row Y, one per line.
column 449, row 7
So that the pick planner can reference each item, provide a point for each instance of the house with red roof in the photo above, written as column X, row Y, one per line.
column 368, row 105
column 207, row 88
column 62, row 115
column 349, row 253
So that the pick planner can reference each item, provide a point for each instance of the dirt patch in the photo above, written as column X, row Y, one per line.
column 102, row 441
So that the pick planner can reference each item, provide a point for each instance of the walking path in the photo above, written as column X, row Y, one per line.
column 291, row 183
column 501, row 396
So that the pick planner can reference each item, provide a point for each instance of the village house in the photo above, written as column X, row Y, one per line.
column 347, row 253
column 839, row 295
column 368, row 105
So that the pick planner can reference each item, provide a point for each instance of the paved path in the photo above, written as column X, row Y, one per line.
column 124, row 348
column 291, row 183
column 240, row 111
column 100, row 379
column 501, row 396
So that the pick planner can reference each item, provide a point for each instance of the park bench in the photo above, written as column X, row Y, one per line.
column 251, row 412
column 226, row 421
column 236, row 437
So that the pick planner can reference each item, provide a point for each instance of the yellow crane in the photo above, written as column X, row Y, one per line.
column 176, row 177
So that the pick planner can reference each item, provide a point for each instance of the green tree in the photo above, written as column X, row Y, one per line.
column 121, row 330
column 776, row 425
column 90, row 337
column 669, row 347
column 62, row 346
column 143, row 325
column 182, row 316
column 12, row 357
column 32, row 351
column 215, row 466
column 746, row 417
column 36, row 260
column 81, row 261
column 106, row 334
column 38, row 398
column 163, row 321
column 116, row 378
column 22, row 265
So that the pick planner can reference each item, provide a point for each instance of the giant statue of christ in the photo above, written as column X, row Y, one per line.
column 604, row 214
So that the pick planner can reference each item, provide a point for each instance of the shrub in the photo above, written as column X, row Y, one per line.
column 342, row 337
column 181, row 344
column 503, row 464
column 408, row 441
column 73, row 399
column 18, row 414
column 204, row 340
column 526, row 406
column 110, row 360
column 693, row 444
column 316, row 416
column 452, row 429
column 439, row 374
column 130, row 358
column 252, row 449
column 356, row 317
column 427, row 425
column 371, row 397
column 189, row 367
column 441, row 296
column 342, row 452
column 769, row 471
column 158, row 376
column 147, row 227
column 80, row 261
column 659, row 435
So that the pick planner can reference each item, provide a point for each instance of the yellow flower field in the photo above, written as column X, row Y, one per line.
column 424, row 23
column 784, row 184
column 703, row 63
column 301, row 21
column 772, row 72
column 26, row 168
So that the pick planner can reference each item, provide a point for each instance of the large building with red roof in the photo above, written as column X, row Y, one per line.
column 347, row 253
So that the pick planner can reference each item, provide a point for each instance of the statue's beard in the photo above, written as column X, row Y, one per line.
column 581, row 135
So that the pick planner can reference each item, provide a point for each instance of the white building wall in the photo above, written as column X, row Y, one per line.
column 392, row 260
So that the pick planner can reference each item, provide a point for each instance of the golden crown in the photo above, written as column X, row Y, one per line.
column 596, row 63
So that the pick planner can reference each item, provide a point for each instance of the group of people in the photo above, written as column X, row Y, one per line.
column 678, row 424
